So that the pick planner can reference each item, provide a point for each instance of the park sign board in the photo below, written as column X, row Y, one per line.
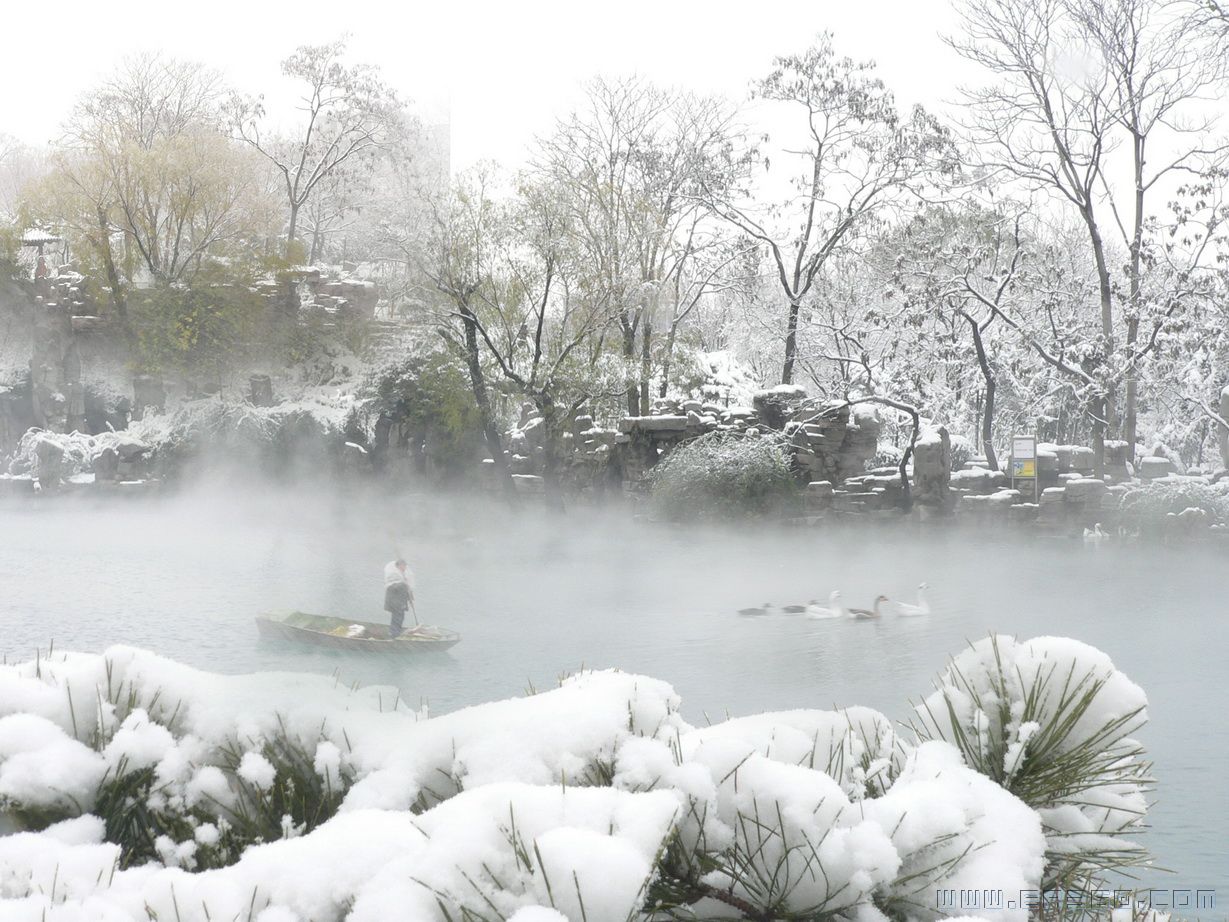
column 1023, row 457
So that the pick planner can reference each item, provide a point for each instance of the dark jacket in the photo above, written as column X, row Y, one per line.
column 396, row 597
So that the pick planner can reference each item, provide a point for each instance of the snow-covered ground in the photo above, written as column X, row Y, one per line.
column 585, row 802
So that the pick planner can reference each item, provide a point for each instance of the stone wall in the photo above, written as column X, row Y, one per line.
column 1067, row 497
column 312, row 288
column 829, row 442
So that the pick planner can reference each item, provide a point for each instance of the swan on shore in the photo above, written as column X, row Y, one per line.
column 921, row 608
column 834, row 610
column 863, row 614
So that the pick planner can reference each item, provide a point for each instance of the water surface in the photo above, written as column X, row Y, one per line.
column 535, row 598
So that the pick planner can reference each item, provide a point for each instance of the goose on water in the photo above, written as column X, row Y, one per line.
column 863, row 614
column 921, row 608
column 834, row 610
column 1095, row 535
column 753, row 612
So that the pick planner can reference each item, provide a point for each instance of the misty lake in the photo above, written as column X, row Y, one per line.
column 185, row 575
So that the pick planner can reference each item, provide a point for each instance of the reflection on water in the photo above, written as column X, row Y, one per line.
column 185, row 576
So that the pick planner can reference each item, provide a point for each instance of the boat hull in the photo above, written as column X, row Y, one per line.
column 305, row 628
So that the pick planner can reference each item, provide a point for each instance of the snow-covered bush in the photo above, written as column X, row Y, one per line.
column 293, row 434
column 126, row 758
column 885, row 456
column 1052, row 721
column 78, row 450
column 161, row 791
column 423, row 405
column 721, row 475
column 204, row 329
column 961, row 451
column 592, row 802
column 301, row 434
column 1152, row 500
column 717, row 376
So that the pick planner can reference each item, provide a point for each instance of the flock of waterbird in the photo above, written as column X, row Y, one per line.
column 836, row 608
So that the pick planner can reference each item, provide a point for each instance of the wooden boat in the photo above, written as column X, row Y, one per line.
column 341, row 633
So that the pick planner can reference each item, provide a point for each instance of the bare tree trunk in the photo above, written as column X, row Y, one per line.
column 317, row 246
column 1136, row 268
column 906, row 499
column 987, row 416
column 552, row 488
column 646, row 364
column 791, row 343
column 292, row 228
column 1132, row 389
column 667, row 360
column 118, row 301
column 1098, row 435
column 629, row 352
column 1222, row 431
column 477, row 380
column 1109, row 403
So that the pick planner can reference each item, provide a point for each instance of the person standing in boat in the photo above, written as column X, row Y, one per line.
column 398, row 594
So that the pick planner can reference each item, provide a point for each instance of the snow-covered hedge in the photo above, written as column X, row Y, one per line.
column 724, row 475
column 79, row 450
column 209, row 429
column 134, row 788
column 1154, row 500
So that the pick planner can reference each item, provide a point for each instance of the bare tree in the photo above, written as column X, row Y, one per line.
column 1055, row 121
column 708, row 266
column 963, row 263
column 1045, row 127
column 348, row 111
column 859, row 155
column 20, row 167
column 77, row 197
column 456, row 256
column 1211, row 15
column 633, row 163
column 526, row 305
column 1158, row 65
column 146, row 150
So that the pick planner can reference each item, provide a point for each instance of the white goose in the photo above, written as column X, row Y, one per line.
column 863, row 614
column 834, row 610
column 921, row 608
column 1095, row 535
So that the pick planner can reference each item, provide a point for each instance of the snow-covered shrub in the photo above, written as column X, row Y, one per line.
column 204, row 329
column 251, row 759
column 161, row 791
column 302, row 434
column 426, row 404
column 721, row 475
column 1052, row 721
column 961, row 451
column 716, row 376
column 769, row 833
column 885, row 456
column 79, row 450
column 593, row 801
column 1151, row 500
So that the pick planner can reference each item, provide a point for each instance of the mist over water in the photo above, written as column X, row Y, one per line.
column 535, row 596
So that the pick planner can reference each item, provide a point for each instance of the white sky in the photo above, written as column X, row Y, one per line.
column 507, row 67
